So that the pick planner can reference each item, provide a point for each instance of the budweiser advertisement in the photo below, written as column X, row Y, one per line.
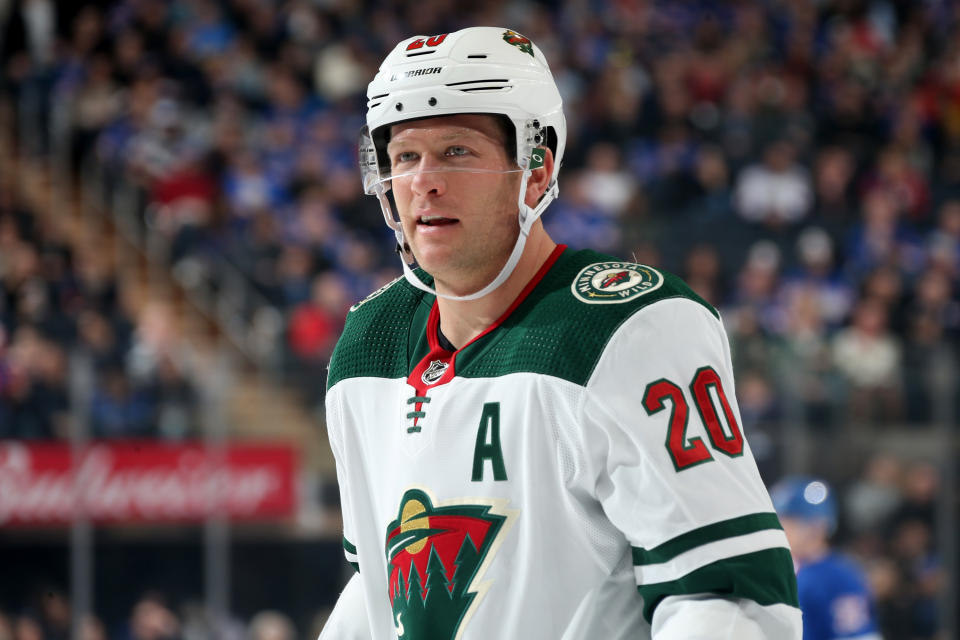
column 141, row 482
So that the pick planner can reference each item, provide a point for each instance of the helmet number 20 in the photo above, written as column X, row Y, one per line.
column 432, row 41
column 707, row 392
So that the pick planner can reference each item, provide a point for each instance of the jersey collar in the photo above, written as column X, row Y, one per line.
column 447, row 359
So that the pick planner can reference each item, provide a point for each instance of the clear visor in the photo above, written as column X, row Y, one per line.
column 377, row 179
column 369, row 167
column 387, row 181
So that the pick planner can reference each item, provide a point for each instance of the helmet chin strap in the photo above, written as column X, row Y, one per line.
column 527, row 216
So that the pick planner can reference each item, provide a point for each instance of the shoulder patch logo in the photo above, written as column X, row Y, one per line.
column 375, row 294
column 614, row 282
column 436, row 558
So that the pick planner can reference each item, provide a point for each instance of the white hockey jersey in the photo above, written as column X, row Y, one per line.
column 563, row 475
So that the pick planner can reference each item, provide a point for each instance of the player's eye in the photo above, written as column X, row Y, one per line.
column 457, row 150
column 403, row 157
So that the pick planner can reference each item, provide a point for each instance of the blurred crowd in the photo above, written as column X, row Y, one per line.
column 71, row 343
column 153, row 617
column 797, row 162
column 889, row 524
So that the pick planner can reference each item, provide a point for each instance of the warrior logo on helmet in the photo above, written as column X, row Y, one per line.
column 521, row 42
column 434, row 557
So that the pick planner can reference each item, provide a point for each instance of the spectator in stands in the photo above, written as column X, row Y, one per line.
column 99, row 344
column 155, row 338
column 777, row 192
column 92, row 628
column 313, row 330
column 578, row 222
column 760, row 412
column 943, row 243
column 912, row 542
column 28, row 628
column 869, row 357
column 271, row 625
column 889, row 588
column 98, row 101
column 255, row 253
column 903, row 183
column 834, row 170
column 710, row 196
column 888, row 286
column 605, row 182
column 176, row 400
column 752, row 347
column 807, row 362
column 357, row 262
column 119, row 408
column 881, row 238
column 702, row 272
column 757, row 286
column 664, row 165
column 247, row 187
column 316, row 225
column 33, row 401
column 295, row 269
column 816, row 273
column 97, row 283
column 932, row 323
column 55, row 614
column 152, row 619
column 872, row 499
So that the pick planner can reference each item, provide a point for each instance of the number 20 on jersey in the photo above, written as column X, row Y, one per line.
column 707, row 392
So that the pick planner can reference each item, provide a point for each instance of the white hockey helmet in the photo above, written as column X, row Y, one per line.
column 479, row 70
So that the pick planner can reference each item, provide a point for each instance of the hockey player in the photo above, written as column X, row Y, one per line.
column 531, row 442
column 832, row 590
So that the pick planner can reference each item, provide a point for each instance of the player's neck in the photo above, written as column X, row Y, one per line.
column 463, row 320
column 814, row 552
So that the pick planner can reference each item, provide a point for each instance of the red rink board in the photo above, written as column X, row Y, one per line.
column 144, row 481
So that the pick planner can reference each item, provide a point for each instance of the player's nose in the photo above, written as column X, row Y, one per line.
column 428, row 178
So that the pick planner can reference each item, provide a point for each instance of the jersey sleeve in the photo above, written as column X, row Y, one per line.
column 334, row 428
column 348, row 620
column 673, row 472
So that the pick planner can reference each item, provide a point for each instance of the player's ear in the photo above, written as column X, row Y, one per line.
column 540, row 177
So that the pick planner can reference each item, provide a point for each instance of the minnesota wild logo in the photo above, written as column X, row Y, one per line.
column 435, row 556
column 614, row 278
column 613, row 282
column 521, row 42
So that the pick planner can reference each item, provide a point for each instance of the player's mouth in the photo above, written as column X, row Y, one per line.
column 435, row 221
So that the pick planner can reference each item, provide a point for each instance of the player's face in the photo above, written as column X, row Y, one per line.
column 460, row 225
column 806, row 539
